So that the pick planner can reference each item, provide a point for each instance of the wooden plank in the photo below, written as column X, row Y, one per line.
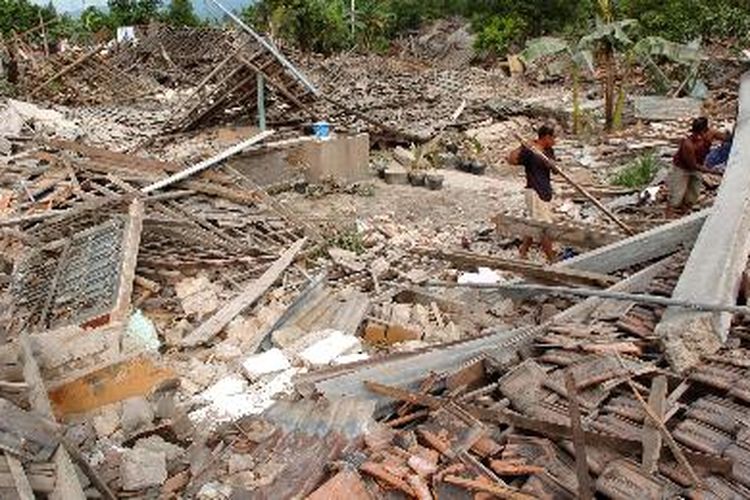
column 20, row 482
column 714, row 269
column 130, row 243
column 495, row 490
column 577, row 235
column 131, row 377
column 579, row 439
column 524, row 268
column 211, row 327
column 651, row 434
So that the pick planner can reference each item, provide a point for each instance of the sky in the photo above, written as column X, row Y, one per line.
column 203, row 8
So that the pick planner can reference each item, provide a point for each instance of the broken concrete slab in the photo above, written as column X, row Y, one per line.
column 643, row 247
column 713, row 272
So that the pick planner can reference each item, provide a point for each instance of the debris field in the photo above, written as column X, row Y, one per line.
column 206, row 293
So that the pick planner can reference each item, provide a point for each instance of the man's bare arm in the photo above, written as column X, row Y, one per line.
column 514, row 158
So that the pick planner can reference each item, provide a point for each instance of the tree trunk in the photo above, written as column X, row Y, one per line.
column 609, row 86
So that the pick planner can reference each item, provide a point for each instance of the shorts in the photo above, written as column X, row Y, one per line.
column 536, row 208
column 684, row 187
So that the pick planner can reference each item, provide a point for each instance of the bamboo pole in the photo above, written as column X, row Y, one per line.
column 556, row 168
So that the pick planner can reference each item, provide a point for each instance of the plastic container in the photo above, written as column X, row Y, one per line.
column 322, row 130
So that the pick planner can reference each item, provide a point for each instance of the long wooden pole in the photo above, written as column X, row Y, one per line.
column 556, row 168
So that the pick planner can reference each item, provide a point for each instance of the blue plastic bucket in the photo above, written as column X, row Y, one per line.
column 322, row 130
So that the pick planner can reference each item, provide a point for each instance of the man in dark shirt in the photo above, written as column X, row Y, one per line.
column 538, row 186
column 684, row 179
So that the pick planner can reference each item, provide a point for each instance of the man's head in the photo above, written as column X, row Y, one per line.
column 546, row 136
column 700, row 126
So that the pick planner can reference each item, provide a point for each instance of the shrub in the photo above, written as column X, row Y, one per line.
column 500, row 33
column 638, row 173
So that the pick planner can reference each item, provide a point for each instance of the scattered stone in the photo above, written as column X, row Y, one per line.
column 164, row 405
column 157, row 445
column 142, row 468
column 176, row 483
column 239, row 463
column 346, row 259
column 214, row 491
column 136, row 414
column 226, row 351
column 197, row 295
column 107, row 421
column 548, row 312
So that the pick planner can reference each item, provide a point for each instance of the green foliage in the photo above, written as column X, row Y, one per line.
column 638, row 173
column 94, row 19
column 132, row 12
column 180, row 13
column 22, row 15
column 499, row 34
column 685, row 20
column 316, row 25
column 349, row 239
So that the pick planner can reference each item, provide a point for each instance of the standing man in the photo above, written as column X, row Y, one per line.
column 538, row 186
column 684, row 179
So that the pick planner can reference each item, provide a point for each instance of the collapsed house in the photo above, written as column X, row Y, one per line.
column 170, row 328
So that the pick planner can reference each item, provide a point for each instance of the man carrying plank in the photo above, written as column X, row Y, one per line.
column 538, row 186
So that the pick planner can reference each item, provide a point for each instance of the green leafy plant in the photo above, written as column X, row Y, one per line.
column 500, row 34
column 638, row 173
column 349, row 239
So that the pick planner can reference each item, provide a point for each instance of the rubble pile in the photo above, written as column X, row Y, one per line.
column 170, row 328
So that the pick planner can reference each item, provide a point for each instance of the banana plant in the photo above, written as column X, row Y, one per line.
column 602, row 44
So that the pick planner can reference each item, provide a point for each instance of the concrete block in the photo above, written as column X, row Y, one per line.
column 345, row 158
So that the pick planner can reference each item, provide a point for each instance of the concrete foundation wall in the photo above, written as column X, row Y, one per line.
column 342, row 158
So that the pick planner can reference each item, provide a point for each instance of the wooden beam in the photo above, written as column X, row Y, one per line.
column 211, row 327
column 714, row 269
column 651, row 434
column 528, row 269
column 578, row 235
column 127, row 378
column 67, row 69
column 579, row 439
column 130, row 243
